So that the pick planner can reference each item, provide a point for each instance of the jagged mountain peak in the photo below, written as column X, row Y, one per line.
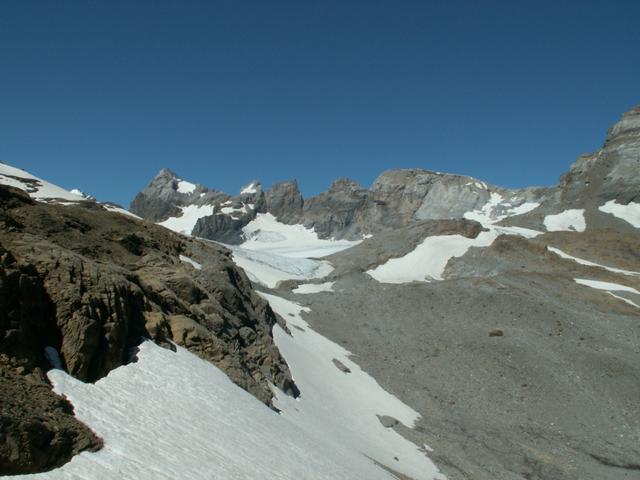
column 166, row 173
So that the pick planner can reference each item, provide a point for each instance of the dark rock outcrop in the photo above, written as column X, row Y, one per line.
column 610, row 173
column 223, row 228
column 38, row 431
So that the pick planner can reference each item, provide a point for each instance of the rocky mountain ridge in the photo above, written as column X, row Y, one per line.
column 398, row 197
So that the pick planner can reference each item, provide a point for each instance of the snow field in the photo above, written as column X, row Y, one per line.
column 569, row 220
column 629, row 213
column 190, row 214
column 44, row 190
column 173, row 416
column 307, row 288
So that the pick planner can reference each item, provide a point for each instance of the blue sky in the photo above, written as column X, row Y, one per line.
column 101, row 95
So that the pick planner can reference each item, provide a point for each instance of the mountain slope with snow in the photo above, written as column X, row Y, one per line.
column 171, row 415
column 432, row 319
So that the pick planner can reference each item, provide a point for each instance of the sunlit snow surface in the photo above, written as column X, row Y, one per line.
column 114, row 208
column 429, row 259
column 488, row 214
column 308, row 288
column 629, row 213
column 249, row 189
column 267, row 234
column 190, row 261
column 185, row 187
column 274, row 251
column 173, row 416
column 569, row 220
column 606, row 285
column 190, row 214
column 36, row 187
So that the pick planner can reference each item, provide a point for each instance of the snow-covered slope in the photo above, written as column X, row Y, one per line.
column 37, row 188
column 630, row 213
column 274, row 251
column 173, row 416
column 568, row 220
column 266, row 234
column 44, row 191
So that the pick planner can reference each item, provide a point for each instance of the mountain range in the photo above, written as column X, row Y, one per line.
column 431, row 326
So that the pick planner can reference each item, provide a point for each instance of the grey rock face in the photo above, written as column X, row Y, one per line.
column 610, row 173
column 161, row 199
column 222, row 228
column 284, row 201
column 336, row 212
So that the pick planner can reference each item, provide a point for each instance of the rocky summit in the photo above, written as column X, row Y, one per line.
column 429, row 326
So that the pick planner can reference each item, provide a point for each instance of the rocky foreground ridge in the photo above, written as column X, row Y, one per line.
column 81, row 287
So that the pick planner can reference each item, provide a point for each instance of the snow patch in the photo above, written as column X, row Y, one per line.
column 190, row 215
column 249, row 189
column 37, row 188
column 429, row 259
column 307, row 288
column 114, row 208
column 625, row 300
column 605, row 285
column 191, row 262
column 185, row 187
column 629, row 213
column 581, row 261
column 569, row 220
column 227, row 210
column 488, row 214
column 609, row 288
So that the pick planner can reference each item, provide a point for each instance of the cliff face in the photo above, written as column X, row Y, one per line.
column 91, row 285
column 610, row 173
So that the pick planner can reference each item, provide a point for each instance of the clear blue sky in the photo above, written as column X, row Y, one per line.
column 101, row 95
